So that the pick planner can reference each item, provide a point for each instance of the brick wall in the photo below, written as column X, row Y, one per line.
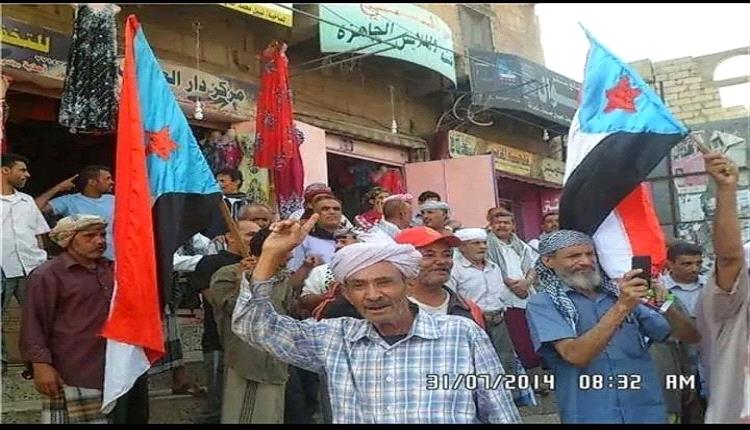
column 688, row 87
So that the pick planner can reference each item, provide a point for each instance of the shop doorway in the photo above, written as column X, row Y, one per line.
column 351, row 178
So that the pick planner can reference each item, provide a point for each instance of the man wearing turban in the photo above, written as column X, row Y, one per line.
column 67, row 303
column 388, row 367
column 592, row 330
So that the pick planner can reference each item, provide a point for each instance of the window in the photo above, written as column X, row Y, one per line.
column 476, row 28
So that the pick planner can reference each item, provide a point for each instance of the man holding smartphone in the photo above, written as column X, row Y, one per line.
column 724, row 312
column 590, row 329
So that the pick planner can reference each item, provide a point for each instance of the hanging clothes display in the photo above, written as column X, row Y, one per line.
column 89, row 100
column 392, row 181
column 229, row 150
column 277, row 140
column 209, row 147
column 256, row 184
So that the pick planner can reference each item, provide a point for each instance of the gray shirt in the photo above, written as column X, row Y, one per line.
column 724, row 323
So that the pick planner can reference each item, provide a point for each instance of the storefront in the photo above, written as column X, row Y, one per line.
column 351, row 165
column 36, row 72
column 524, row 182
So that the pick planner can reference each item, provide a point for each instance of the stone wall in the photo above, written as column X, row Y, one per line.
column 688, row 87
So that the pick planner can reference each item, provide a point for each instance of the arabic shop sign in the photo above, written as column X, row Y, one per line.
column 268, row 11
column 552, row 170
column 33, row 49
column 417, row 35
column 508, row 81
column 511, row 160
column 218, row 95
column 461, row 144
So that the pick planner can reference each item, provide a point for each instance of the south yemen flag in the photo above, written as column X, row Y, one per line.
column 165, row 194
column 620, row 132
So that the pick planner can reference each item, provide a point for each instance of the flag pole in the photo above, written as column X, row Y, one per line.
column 234, row 231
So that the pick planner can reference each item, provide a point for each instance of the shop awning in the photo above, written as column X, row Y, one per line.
column 363, row 133
column 528, row 180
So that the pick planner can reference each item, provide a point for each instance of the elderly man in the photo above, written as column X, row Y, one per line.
column 591, row 331
column 396, row 214
column 363, row 360
column 68, row 300
column 725, row 316
column 258, row 213
column 516, row 262
column 480, row 280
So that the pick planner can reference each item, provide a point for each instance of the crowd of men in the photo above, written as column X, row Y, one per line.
column 391, row 319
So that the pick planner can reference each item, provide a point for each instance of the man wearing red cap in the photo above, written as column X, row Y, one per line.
column 428, row 289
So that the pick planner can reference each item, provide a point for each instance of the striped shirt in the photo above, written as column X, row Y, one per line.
column 370, row 381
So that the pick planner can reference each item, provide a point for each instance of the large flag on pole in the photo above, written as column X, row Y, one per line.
column 165, row 194
column 620, row 132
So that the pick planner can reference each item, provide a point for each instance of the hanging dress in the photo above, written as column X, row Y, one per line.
column 89, row 100
column 277, row 140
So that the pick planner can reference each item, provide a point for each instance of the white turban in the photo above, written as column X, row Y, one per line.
column 355, row 257
column 467, row 234
column 433, row 205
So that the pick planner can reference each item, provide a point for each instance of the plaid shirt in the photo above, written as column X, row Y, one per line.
column 370, row 381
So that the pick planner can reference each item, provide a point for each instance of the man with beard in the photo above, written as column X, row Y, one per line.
column 590, row 331
column 379, row 368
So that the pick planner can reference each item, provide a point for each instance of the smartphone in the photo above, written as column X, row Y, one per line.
column 642, row 262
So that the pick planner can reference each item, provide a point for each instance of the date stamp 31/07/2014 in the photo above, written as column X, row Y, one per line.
column 484, row 381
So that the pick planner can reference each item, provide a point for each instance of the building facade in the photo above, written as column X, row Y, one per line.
column 375, row 88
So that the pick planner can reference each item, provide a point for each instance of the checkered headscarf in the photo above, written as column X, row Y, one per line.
column 67, row 227
column 549, row 282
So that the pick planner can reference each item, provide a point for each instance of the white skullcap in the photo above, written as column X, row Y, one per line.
column 355, row 257
column 466, row 234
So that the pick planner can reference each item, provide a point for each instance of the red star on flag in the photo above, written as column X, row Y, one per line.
column 621, row 96
column 160, row 143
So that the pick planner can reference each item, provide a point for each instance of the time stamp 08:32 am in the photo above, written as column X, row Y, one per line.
column 478, row 381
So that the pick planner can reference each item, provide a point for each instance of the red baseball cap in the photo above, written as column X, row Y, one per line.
column 423, row 236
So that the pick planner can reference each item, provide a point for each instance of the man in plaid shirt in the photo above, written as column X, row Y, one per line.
column 398, row 365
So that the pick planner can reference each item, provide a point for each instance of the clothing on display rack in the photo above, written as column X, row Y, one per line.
column 392, row 181
column 89, row 100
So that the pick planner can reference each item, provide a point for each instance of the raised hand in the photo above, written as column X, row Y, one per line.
column 287, row 235
column 722, row 169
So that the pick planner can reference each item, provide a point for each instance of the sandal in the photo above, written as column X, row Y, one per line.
column 192, row 389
